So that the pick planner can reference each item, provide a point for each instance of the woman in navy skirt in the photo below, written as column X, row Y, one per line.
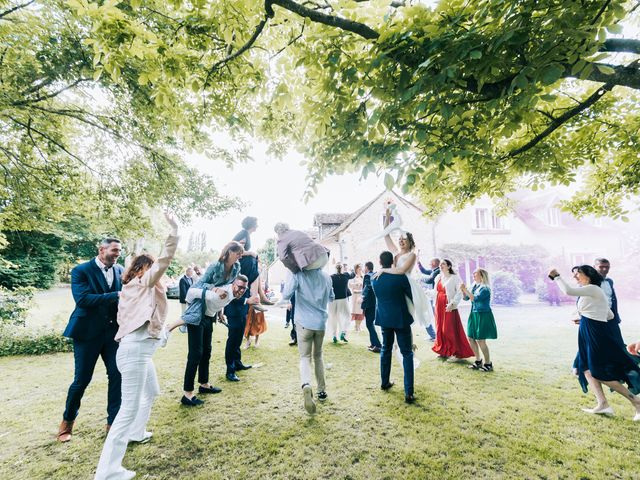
column 601, row 359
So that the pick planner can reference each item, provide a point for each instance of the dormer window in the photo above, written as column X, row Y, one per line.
column 553, row 217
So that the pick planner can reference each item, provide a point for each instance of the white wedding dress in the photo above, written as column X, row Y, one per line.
column 419, row 308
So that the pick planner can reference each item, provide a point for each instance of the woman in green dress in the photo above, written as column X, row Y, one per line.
column 481, row 325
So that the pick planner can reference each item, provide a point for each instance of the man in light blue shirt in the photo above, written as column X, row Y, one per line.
column 314, row 291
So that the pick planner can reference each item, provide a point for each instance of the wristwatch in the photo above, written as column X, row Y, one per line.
column 553, row 278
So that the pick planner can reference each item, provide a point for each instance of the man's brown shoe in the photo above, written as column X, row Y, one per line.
column 64, row 432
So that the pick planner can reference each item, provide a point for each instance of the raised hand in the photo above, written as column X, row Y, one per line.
column 171, row 220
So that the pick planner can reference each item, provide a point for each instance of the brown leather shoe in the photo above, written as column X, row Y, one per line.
column 64, row 432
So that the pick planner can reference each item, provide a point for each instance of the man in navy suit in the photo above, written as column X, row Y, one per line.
column 236, row 313
column 369, row 308
column 185, row 283
column 602, row 265
column 95, row 286
column 393, row 316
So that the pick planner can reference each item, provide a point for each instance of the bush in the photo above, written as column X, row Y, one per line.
column 20, row 341
column 549, row 292
column 506, row 288
column 14, row 305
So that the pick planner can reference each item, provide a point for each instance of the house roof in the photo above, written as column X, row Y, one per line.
column 354, row 216
column 329, row 219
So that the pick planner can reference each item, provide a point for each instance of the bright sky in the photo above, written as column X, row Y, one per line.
column 272, row 191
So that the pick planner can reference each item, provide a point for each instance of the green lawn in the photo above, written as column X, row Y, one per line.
column 521, row 421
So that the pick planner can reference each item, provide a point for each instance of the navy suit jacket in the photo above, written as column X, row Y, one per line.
column 368, row 297
column 96, row 304
column 236, row 311
column 184, row 285
column 391, row 304
column 614, row 301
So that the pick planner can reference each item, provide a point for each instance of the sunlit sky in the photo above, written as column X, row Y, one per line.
column 272, row 190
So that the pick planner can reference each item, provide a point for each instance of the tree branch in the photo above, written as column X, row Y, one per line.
column 238, row 52
column 559, row 121
column 50, row 95
column 621, row 45
column 17, row 7
column 331, row 20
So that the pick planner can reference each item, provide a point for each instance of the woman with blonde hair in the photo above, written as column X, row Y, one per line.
column 481, row 325
column 142, row 311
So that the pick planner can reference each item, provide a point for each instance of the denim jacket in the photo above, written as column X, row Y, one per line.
column 481, row 298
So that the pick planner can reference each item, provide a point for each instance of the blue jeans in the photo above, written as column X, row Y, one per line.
column 405, row 343
column 370, row 316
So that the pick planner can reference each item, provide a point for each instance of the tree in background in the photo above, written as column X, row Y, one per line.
column 454, row 101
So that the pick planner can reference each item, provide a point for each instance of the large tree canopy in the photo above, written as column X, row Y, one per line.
column 466, row 98
column 75, row 144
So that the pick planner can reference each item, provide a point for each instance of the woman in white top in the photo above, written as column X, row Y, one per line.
column 142, row 311
column 451, row 341
column 601, row 359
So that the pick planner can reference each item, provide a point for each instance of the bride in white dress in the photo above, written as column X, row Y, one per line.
column 404, row 262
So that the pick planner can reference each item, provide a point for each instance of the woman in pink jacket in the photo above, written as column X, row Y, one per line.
column 142, row 311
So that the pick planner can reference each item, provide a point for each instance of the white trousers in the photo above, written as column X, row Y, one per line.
column 139, row 389
column 310, row 344
column 339, row 317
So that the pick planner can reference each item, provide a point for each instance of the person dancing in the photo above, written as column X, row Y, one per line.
column 249, row 261
column 404, row 262
column 451, row 341
column 601, row 359
column 481, row 324
column 356, row 285
column 339, row 309
column 142, row 312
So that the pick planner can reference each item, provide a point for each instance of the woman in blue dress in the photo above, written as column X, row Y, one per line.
column 601, row 359
column 481, row 325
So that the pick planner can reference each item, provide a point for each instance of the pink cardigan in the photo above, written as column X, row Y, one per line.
column 144, row 299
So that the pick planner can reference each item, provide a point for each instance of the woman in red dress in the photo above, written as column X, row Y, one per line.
column 451, row 340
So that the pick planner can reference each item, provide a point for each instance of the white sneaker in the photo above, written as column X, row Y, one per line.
column 309, row 404
column 637, row 417
column 453, row 359
column 599, row 411
column 145, row 438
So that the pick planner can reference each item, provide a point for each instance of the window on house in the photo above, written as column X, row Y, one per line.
column 553, row 216
column 488, row 219
column 482, row 218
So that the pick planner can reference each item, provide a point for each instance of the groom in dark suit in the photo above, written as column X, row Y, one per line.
column 393, row 316
column 95, row 286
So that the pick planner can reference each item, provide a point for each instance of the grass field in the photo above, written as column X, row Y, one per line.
column 521, row 421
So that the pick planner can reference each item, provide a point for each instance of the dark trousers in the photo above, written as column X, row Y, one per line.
column 370, row 316
column 232, row 353
column 85, row 355
column 405, row 342
column 199, row 353
column 294, row 333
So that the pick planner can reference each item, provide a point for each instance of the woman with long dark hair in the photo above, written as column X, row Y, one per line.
column 601, row 359
column 142, row 311
column 451, row 341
